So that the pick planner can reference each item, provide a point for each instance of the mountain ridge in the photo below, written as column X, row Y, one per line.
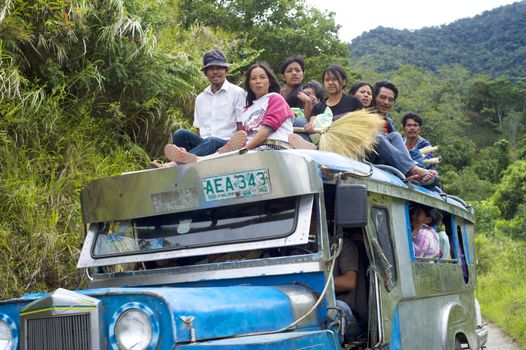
column 492, row 43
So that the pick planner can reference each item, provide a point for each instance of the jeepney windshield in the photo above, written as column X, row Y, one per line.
column 205, row 227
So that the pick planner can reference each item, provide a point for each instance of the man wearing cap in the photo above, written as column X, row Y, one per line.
column 217, row 113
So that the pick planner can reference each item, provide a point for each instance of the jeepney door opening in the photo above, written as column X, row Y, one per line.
column 347, row 215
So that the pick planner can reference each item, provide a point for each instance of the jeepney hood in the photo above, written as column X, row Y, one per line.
column 199, row 313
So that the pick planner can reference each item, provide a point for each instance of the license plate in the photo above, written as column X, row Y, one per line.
column 237, row 185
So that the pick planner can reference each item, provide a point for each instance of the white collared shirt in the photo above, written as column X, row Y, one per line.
column 217, row 114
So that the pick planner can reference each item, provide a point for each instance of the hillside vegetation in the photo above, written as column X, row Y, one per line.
column 493, row 43
column 92, row 89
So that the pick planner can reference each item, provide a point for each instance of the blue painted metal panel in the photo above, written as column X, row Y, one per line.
column 396, row 338
column 465, row 240
column 455, row 238
column 409, row 233
column 218, row 312
column 318, row 340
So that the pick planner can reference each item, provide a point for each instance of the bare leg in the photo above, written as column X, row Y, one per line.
column 299, row 142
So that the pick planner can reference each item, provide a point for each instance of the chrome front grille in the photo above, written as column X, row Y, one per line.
column 64, row 332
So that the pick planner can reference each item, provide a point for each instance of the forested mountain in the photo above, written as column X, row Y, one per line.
column 493, row 43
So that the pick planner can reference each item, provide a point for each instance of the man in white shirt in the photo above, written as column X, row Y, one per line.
column 217, row 113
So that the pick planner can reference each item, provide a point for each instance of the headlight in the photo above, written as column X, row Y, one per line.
column 134, row 328
column 8, row 337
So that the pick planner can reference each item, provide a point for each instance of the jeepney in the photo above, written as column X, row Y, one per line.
column 238, row 252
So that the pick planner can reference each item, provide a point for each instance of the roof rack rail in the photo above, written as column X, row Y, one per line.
column 455, row 198
column 390, row 169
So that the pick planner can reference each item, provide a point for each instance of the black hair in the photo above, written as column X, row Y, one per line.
column 338, row 72
column 412, row 115
column 318, row 89
column 357, row 87
column 292, row 98
column 274, row 83
column 433, row 213
column 384, row 84
column 289, row 60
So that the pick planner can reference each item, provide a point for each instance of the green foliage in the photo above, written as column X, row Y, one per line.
column 510, row 193
column 486, row 215
column 87, row 90
column 492, row 161
column 281, row 28
column 105, row 51
column 501, row 283
column 466, row 184
column 492, row 43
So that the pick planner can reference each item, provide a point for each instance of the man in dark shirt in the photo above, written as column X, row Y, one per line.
column 350, row 284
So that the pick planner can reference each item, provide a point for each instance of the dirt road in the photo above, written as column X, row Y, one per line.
column 498, row 340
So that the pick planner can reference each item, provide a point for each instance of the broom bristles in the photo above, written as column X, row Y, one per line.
column 353, row 135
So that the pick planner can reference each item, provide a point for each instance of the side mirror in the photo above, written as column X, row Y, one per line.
column 350, row 207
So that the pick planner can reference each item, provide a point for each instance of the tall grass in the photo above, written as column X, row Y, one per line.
column 502, row 282
column 87, row 90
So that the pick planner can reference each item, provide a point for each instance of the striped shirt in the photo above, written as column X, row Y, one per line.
column 217, row 114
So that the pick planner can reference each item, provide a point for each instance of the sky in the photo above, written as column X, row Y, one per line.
column 356, row 17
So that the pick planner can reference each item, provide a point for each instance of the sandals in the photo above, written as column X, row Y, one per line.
column 430, row 179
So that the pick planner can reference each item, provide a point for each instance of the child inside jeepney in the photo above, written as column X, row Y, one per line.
column 267, row 118
column 425, row 239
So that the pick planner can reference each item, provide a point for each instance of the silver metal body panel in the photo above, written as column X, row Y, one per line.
column 433, row 301
column 211, row 272
column 163, row 191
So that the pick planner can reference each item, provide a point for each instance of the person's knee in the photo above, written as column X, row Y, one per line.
column 180, row 135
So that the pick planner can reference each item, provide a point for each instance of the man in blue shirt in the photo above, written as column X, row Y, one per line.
column 412, row 124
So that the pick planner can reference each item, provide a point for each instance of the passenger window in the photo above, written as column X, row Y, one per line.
column 423, row 250
column 449, row 223
column 463, row 256
column 381, row 222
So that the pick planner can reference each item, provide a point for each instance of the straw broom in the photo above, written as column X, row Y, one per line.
column 352, row 135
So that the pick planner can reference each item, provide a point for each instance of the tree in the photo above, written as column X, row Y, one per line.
column 278, row 28
column 510, row 193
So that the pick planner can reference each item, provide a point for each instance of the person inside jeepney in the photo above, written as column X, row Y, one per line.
column 350, row 284
column 390, row 148
column 425, row 239
column 218, row 129
column 336, row 105
column 364, row 92
column 267, row 118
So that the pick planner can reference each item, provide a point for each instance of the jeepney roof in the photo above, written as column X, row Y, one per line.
column 291, row 172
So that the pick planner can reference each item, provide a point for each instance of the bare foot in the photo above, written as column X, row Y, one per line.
column 422, row 175
column 179, row 155
column 299, row 142
column 156, row 165
column 236, row 142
